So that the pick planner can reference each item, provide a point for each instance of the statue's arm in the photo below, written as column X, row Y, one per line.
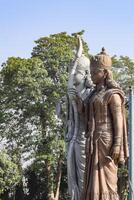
column 117, row 120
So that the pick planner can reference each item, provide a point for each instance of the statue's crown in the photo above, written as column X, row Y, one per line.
column 101, row 60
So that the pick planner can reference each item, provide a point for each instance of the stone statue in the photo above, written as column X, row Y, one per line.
column 106, row 137
column 79, row 88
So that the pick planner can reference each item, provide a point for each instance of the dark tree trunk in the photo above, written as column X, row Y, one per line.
column 19, row 193
column 5, row 196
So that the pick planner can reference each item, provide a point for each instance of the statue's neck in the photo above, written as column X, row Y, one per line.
column 100, row 85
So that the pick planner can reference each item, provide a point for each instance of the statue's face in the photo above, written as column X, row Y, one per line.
column 97, row 75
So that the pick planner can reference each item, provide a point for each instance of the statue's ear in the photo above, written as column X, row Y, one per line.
column 108, row 73
column 105, row 73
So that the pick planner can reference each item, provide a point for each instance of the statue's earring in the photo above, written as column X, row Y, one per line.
column 105, row 73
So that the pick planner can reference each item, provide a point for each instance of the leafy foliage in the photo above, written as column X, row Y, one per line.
column 9, row 173
column 123, row 68
column 23, row 82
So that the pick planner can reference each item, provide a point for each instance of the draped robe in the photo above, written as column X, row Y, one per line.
column 101, row 170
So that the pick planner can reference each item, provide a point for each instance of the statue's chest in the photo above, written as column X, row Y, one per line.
column 98, row 100
column 100, row 107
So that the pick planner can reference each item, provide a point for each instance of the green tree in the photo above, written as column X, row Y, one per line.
column 23, row 82
column 28, row 120
column 123, row 68
column 9, row 174
column 21, row 99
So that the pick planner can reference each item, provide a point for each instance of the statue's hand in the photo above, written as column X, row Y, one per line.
column 72, row 93
column 115, row 153
column 68, row 137
column 70, row 131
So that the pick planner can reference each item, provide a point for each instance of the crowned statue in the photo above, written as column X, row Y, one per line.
column 106, row 135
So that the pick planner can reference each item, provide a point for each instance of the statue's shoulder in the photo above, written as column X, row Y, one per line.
column 114, row 91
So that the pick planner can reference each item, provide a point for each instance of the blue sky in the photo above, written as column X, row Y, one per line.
column 106, row 23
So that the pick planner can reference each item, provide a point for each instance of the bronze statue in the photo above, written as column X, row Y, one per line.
column 106, row 137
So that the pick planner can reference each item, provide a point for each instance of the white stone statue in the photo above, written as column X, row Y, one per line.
column 79, row 88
